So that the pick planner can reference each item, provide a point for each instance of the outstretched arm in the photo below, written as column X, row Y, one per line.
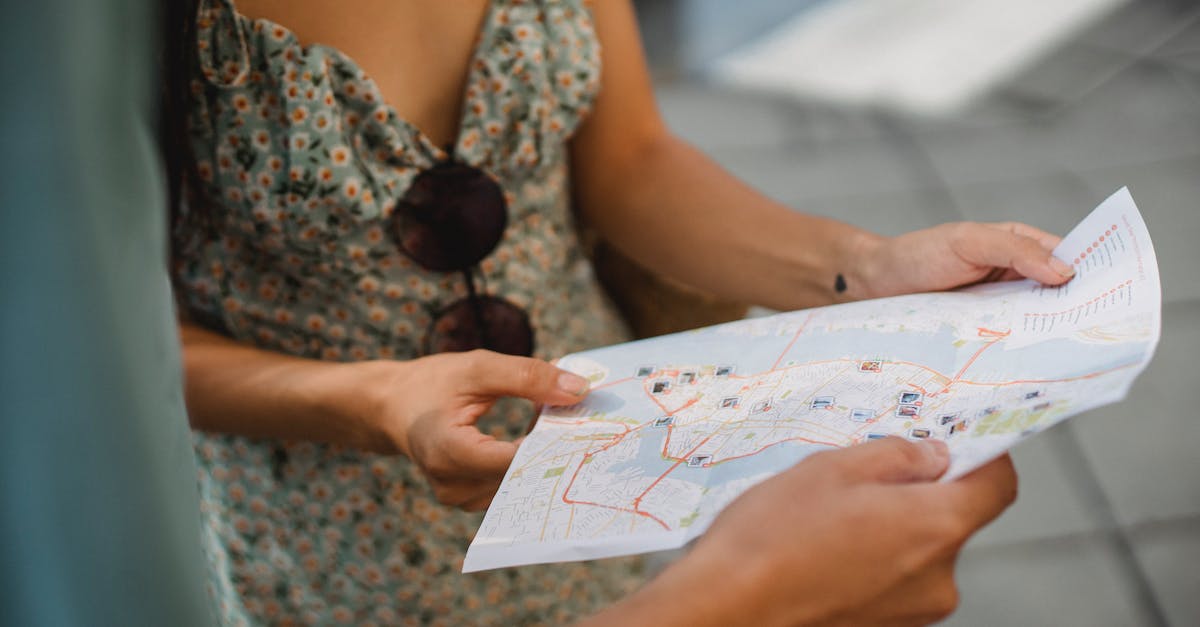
column 674, row 210
column 424, row 408
column 861, row 536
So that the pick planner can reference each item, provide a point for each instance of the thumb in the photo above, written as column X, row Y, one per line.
column 894, row 460
column 493, row 374
column 1001, row 248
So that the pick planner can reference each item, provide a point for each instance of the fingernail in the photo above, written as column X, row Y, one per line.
column 572, row 383
column 936, row 449
column 1062, row 267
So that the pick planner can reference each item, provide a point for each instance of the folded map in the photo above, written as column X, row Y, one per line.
column 678, row 426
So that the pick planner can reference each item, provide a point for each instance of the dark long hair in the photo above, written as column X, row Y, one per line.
column 177, row 34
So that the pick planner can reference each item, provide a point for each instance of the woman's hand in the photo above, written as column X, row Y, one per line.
column 427, row 409
column 953, row 255
column 860, row 536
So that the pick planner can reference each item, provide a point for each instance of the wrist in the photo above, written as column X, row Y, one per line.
column 363, row 400
column 744, row 595
column 863, row 263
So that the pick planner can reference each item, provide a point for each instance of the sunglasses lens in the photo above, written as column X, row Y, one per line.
column 451, row 217
column 485, row 322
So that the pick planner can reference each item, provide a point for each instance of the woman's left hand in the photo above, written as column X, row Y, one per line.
column 962, row 253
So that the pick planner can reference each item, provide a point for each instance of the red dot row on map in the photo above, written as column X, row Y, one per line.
column 1095, row 245
column 1101, row 297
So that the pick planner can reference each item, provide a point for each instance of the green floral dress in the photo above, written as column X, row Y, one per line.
column 304, row 161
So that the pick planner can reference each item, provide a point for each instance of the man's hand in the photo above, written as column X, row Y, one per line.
column 427, row 409
column 953, row 255
column 860, row 536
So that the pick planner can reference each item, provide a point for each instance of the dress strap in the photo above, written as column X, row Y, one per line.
column 221, row 46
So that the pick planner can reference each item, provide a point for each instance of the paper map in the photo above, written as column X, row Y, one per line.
column 678, row 426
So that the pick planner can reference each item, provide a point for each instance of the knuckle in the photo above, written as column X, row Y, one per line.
column 946, row 599
column 529, row 374
column 476, row 360
column 906, row 453
column 962, row 230
column 946, row 530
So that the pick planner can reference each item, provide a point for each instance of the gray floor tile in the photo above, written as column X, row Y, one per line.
column 1182, row 50
column 1170, row 556
column 1139, row 24
column 1168, row 195
column 713, row 119
column 1144, row 450
column 1142, row 115
column 991, row 154
column 1048, row 505
column 886, row 213
column 829, row 170
column 1066, row 582
column 1067, row 73
column 1055, row 201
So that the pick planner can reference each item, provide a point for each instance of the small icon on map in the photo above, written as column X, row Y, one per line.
column 731, row 402
column 989, row 411
column 907, row 410
column 644, row 371
column 664, row 421
column 947, row 419
column 871, row 366
column 958, row 427
column 760, row 407
column 909, row 398
column 697, row 461
column 660, row 386
column 821, row 402
column 1041, row 406
column 862, row 415
column 1032, row 395
column 724, row 371
column 687, row 378
column 920, row 434
column 876, row 436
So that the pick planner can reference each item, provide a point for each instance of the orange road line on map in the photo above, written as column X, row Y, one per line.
column 546, row 520
column 617, row 438
column 996, row 335
column 570, row 501
column 794, row 338
column 767, row 446
column 1090, row 375
column 637, row 502
column 612, row 383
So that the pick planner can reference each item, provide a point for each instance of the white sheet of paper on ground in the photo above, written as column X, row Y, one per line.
column 678, row 426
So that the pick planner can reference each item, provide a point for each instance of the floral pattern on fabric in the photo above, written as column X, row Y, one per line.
column 304, row 162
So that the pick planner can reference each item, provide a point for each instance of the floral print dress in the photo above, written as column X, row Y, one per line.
column 303, row 161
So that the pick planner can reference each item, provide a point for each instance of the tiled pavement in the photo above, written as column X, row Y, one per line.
column 1107, row 527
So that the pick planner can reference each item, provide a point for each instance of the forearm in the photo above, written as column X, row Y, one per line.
column 708, row 587
column 234, row 388
column 674, row 210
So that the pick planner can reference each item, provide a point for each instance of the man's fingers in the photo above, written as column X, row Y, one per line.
column 984, row 494
column 990, row 246
column 494, row 374
column 892, row 460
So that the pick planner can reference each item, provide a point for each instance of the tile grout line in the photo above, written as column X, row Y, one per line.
column 1081, row 473
column 1131, row 60
column 926, row 169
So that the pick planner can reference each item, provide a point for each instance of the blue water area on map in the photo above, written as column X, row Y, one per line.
column 935, row 350
column 605, row 401
column 1054, row 359
column 775, row 458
